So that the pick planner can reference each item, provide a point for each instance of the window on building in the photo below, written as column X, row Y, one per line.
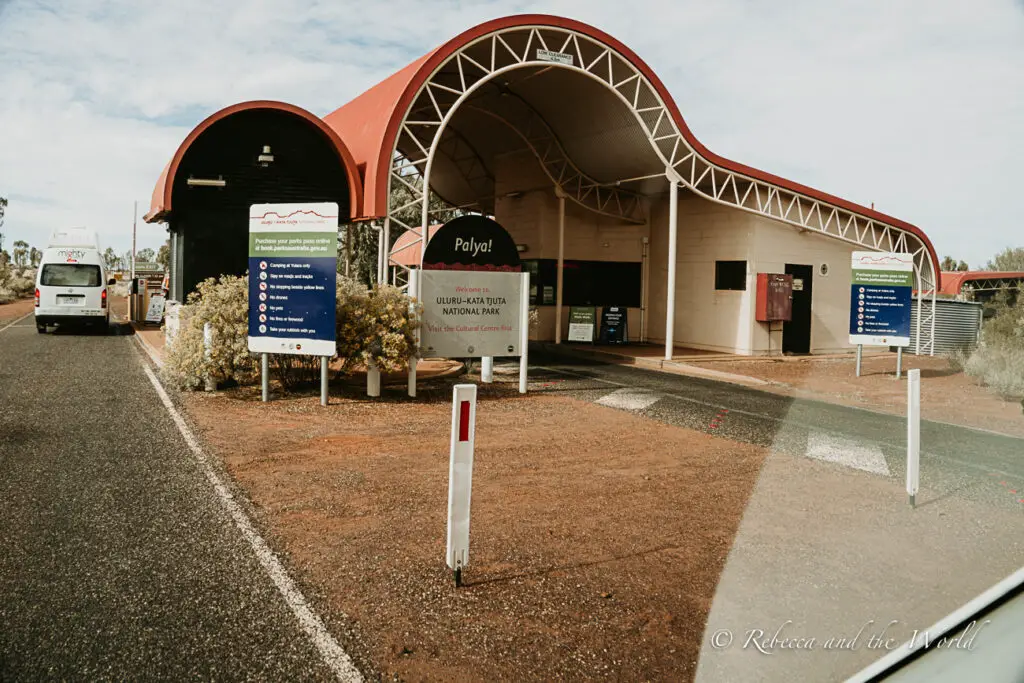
column 731, row 275
column 585, row 283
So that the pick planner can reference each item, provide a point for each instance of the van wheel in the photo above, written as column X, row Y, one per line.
column 41, row 329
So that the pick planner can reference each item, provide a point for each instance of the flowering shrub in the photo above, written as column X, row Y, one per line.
column 224, row 303
column 372, row 326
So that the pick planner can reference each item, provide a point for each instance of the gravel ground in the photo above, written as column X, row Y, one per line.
column 947, row 394
column 597, row 539
column 116, row 561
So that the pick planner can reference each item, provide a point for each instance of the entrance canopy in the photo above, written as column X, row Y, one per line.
column 602, row 126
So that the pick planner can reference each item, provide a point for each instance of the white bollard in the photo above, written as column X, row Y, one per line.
column 211, row 384
column 487, row 369
column 460, row 477
column 372, row 381
column 913, row 433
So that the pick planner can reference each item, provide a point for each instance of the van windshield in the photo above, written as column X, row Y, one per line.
column 70, row 275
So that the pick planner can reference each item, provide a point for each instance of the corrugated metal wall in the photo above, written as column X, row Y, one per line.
column 957, row 324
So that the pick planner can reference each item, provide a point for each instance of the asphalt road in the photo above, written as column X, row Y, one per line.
column 953, row 459
column 116, row 560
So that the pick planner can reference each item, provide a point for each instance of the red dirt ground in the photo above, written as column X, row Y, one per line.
column 598, row 536
column 16, row 309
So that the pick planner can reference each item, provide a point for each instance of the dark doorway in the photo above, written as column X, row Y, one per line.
column 796, row 334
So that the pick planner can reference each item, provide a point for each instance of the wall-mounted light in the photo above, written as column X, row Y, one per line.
column 206, row 182
column 521, row 248
column 266, row 158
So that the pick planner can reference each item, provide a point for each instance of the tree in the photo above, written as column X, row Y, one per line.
column 950, row 264
column 34, row 257
column 3, row 210
column 163, row 256
column 110, row 259
column 20, row 253
column 1009, row 259
column 365, row 236
column 146, row 255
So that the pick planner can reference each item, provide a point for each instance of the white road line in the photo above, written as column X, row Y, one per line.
column 330, row 651
column 15, row 322
column 629, row 399
column 842, row 451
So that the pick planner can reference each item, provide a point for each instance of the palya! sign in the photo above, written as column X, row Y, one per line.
column 471, row 289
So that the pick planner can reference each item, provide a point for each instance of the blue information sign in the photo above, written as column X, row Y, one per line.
column 880, row 296
column 292, row 276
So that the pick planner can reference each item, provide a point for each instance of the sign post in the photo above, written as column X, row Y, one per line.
column 293, row 255
column 913, row 433
column 460, row 477
column 880, row 294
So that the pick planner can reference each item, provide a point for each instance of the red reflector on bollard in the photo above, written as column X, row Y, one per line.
column 464, row 421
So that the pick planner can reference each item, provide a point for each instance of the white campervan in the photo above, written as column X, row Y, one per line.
column 71, row 284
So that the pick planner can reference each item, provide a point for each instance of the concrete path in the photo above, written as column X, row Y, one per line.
column 118, row 561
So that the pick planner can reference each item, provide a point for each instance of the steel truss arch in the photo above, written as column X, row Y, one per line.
column 478, row 61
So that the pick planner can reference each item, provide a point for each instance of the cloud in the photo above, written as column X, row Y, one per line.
column 916, row 106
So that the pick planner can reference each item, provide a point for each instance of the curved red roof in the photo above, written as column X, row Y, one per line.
column 161, row 201
column 371, row 122
column 952, row 283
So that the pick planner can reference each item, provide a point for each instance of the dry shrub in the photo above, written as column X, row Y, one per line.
column 375, row 326
column 999, row 359
column 224, row 303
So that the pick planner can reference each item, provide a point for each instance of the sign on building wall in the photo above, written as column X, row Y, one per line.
column 471, row 291
column 880, row 295
column 293, row 252
column 582, row 320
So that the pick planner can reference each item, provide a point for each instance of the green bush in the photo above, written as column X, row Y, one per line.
column 372, row 326
column 999, row 359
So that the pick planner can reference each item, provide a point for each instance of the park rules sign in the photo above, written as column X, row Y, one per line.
column 880, row 295
column 293, row 253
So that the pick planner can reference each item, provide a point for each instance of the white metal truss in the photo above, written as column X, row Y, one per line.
column 473, row 65
column 993, row 284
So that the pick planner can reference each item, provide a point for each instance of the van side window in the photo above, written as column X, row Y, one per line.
column 70, row 275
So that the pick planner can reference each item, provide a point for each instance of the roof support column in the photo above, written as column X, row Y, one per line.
column 561, row 262
column 673, row 220
column 387, row 250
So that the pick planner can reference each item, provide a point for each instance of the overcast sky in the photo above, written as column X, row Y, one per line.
column 915, row 106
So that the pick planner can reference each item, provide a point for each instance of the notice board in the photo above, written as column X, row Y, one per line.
column 880, row 293
column 293, row 254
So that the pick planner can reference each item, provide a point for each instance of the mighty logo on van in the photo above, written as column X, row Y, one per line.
column 71, row 255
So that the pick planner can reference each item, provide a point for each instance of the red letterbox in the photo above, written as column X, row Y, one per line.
column 774, row 297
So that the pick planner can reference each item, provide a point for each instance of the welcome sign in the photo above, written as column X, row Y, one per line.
column 471, row 289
